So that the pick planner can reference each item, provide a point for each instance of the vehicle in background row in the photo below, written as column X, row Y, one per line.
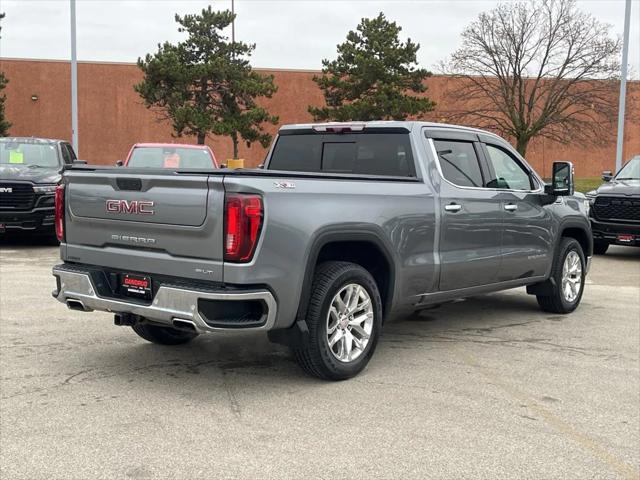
column 346, row 225
column 169, row 155
column 615, row 208
column 30, row 170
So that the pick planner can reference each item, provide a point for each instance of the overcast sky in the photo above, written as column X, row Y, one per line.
column 288, row 34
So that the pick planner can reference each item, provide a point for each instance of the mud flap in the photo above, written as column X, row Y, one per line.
column 544, row 289
column 294, row 336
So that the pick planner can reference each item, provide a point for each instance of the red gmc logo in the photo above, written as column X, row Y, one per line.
column 136, row 207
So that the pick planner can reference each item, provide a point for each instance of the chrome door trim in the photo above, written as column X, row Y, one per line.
column 434, row 152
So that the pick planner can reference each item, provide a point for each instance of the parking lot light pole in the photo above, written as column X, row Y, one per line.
column 233, row 22
column 74, row 79
column 623, row 85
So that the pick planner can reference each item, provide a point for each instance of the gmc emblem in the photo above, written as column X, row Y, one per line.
column 6, row 190
column 135, row 207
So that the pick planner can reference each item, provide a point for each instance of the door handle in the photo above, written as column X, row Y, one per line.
column 453, row 207
column 511, row 207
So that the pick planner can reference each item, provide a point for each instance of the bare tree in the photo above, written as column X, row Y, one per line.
column 542, row 68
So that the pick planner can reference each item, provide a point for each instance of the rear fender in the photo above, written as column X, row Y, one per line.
column 362, row 233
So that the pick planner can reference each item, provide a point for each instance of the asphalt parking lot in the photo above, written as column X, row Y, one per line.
column 490, row 387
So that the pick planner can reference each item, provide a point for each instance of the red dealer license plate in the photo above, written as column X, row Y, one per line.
column 625, row 238
column 138, row 286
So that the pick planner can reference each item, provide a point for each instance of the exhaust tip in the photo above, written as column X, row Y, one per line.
column 76, row 305
column 185, row 325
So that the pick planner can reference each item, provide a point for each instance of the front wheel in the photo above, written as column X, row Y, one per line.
column 568, row 274
column 344, row 320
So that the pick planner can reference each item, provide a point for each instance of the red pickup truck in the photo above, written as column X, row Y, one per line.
column 170, row 155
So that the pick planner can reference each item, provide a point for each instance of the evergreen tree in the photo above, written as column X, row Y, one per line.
column 373, row 76
column 206, row 85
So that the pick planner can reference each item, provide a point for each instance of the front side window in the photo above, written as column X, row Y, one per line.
column 65, row 153
column 505, row 171
column 459, row 162
column 72, row 154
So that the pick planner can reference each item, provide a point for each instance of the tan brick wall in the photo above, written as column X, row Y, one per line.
column 112, row 116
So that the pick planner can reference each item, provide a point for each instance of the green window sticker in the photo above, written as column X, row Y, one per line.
column 16, row 156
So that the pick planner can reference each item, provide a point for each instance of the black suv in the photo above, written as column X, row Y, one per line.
column 30, row 170
column 615, row 208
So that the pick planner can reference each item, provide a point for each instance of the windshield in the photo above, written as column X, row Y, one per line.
column 631, row 171
column 170, row 157
column 28, row 153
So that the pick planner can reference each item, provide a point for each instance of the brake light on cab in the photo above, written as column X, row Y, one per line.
column 59, row 212
column 243, row 214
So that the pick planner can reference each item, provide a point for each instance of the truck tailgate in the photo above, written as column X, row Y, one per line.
column 170, row 224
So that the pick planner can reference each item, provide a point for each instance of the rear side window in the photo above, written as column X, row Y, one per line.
column 386, row 154
column 459, row 162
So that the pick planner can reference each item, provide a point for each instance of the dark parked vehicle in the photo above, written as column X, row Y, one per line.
column 30, row 169
column 346, row 225
column 615, row 208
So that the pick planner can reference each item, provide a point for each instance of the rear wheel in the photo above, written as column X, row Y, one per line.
column 600, row 247
column 162, row 335
column 344, row 321
column 568, row 273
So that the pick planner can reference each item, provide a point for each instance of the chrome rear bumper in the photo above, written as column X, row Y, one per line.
column 170, row 304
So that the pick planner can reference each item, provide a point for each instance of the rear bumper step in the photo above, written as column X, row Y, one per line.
column 172, row 306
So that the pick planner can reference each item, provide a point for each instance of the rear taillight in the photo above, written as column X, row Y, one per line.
column 242, row 224
column 59, row 210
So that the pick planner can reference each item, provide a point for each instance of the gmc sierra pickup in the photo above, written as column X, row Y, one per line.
column 344, row 226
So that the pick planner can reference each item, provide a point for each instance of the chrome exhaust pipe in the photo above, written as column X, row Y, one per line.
column 73, row 304
column 185, row 325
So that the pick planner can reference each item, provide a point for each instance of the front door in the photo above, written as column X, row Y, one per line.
column 527, row 241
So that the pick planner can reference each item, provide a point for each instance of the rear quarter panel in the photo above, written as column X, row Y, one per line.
column 401, row 212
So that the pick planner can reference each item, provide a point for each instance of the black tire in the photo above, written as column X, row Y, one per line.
column 600, row 247
column 315, row 357
column 163, row 335
column 557, row 302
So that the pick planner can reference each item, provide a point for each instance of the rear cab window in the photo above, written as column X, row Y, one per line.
column 373, row 152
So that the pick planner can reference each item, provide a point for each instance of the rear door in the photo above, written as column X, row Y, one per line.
column 165, row 223
column 471, row 218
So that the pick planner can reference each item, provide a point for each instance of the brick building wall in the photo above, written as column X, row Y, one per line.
column 112, row 116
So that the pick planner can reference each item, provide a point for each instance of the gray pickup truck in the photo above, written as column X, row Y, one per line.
column 343, row 227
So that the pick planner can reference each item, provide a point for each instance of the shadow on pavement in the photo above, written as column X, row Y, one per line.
column 254, row 356
column 22, row 240
column 621, row 252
